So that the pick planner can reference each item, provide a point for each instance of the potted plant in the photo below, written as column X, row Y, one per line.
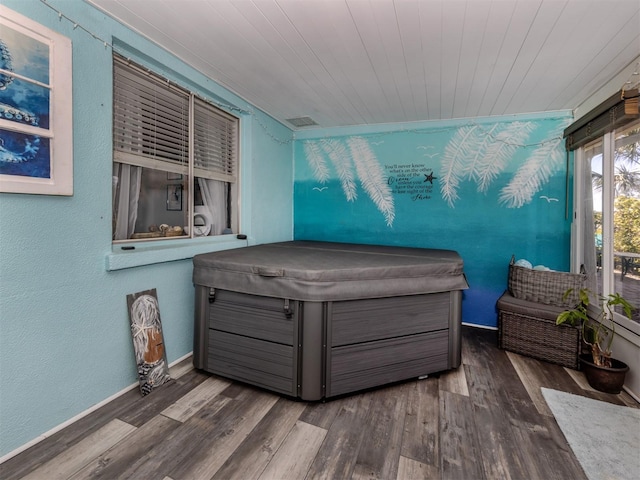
column 603, row 372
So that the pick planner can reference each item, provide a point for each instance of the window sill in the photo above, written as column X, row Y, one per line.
column 628, row 330
column 168, row 251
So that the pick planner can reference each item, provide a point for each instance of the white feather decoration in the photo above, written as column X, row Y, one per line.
column 372, row 177
column 461, row 151
column 500, row 151
column 340, row 159
column 481, row 144
column 316, row 161
column 530, row 177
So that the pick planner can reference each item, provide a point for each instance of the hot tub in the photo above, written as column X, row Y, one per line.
column 314, row 320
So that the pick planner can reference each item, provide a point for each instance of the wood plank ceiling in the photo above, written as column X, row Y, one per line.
column 355, row 62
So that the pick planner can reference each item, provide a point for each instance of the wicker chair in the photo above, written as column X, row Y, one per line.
column 527, row 314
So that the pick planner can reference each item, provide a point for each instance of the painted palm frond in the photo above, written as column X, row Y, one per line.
column 534, row 173
column 481, row 144
column 372, row 177
column 341, row 161
column 460, row 152
column 503, row 145
column 316, row 161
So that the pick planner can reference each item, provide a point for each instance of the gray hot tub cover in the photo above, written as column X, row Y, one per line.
column 322, row 271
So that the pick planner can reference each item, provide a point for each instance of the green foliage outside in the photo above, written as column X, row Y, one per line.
column 626, row 183
column 626, row 219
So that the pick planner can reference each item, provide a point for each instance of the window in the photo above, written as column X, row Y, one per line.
column 611, row 186
column 175, row 160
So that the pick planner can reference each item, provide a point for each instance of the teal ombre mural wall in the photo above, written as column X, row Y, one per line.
column 487, row 188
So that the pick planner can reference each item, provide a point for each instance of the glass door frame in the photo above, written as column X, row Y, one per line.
column 631, row 329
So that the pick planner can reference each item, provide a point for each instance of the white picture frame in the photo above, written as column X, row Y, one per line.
column 36, row 108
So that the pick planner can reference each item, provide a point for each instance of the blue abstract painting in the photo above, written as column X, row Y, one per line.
column 25, row 101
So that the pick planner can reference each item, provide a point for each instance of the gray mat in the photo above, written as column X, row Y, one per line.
column 605, row 438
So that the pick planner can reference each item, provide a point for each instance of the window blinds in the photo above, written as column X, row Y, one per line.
column 215, row 143
column 151, row 127
column 617, row 111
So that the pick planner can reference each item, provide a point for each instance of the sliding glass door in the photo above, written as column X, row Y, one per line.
column 609, row 181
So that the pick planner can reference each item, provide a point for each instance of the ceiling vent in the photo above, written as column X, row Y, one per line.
column 301, row 122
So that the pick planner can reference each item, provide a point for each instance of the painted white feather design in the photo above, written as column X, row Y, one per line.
column 530, row 177
column 341, row 161
column 317, row 162
column 372, row 177
column 500, row 151
column 461, row 151
column 481, row 144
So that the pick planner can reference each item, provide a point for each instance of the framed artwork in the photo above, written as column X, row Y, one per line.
column 174, row 197
column 36, row 115
column 148, row 340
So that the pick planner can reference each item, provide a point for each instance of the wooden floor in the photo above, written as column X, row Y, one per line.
column 486, row 420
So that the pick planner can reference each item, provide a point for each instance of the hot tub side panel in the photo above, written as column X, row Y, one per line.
column 325, row 349
column 373, row 342
column 312, row 350
column 249, row 338
column 455, row 329
column 200, row 328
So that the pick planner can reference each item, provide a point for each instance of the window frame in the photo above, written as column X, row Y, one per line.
column 607, row 143
column 225, row 169
column 59, row 132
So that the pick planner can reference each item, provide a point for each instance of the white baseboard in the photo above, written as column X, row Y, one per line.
column 83, row 414
column 485, row 327
column 631, row 394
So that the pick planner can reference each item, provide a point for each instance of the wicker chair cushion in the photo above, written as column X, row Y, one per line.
column 510, row 303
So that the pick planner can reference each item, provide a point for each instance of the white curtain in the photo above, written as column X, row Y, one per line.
column 589, row 236
column 214, row 198
column 126, row 193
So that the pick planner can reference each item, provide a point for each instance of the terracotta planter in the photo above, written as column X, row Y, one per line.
column 604, row 379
